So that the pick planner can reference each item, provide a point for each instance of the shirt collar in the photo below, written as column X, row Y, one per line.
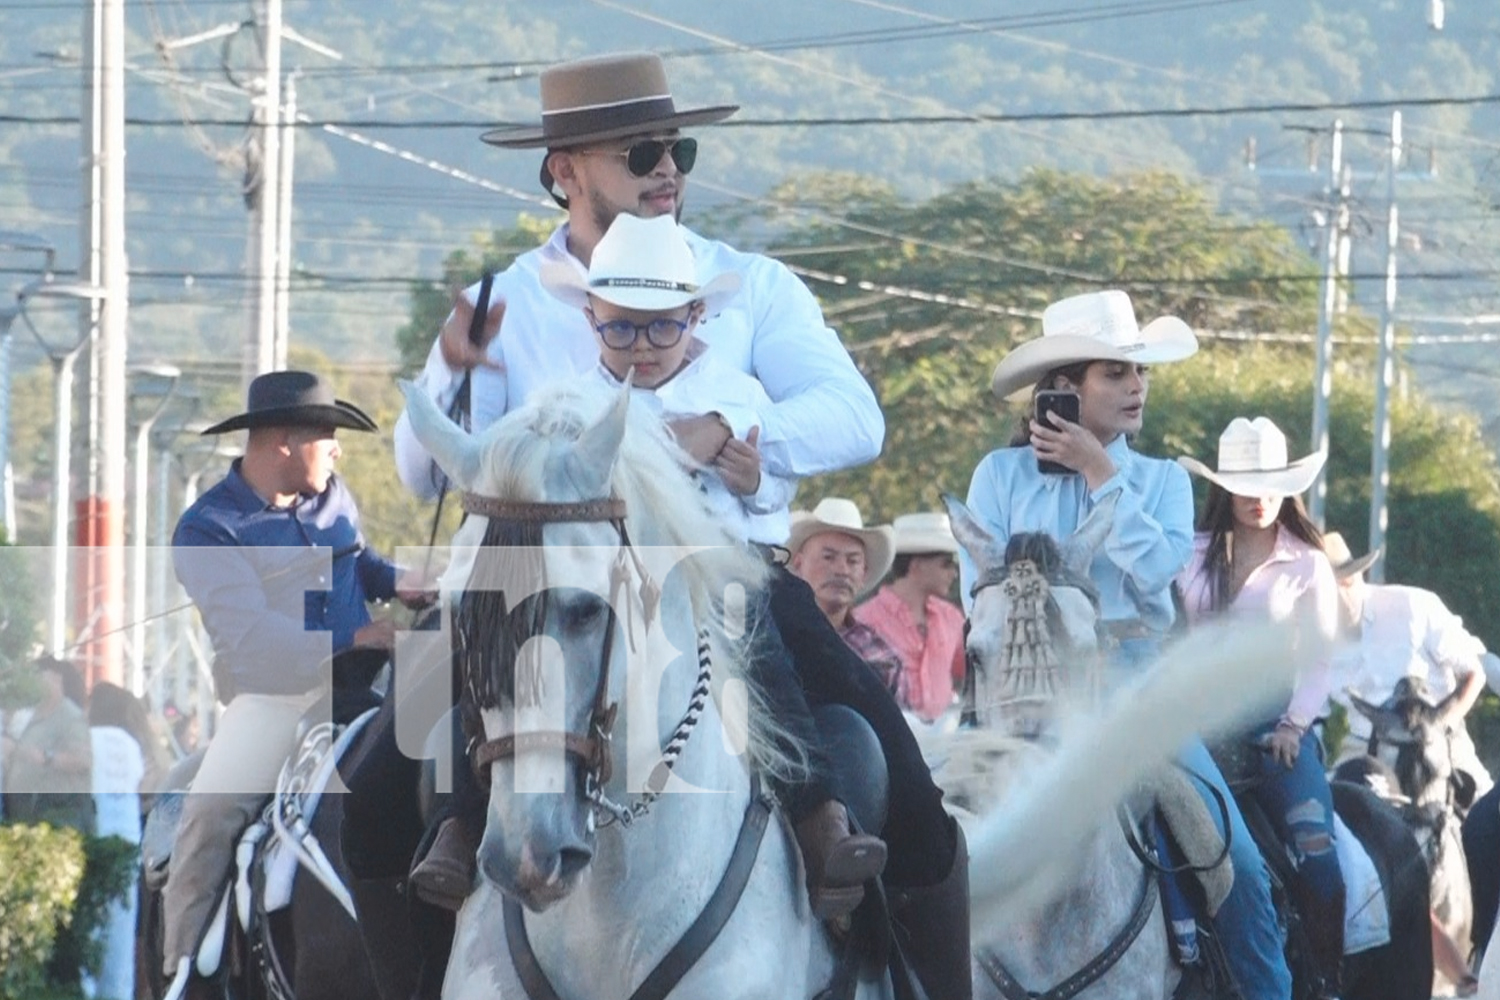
column 245, row 497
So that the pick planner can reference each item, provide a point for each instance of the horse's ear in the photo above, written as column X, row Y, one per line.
column 1386, row 724
column 1079, row 550
column 973, row 536
column 593, row 460
column 454, row 449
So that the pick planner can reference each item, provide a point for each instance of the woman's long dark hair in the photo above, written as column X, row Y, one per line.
column 1218, row 521
column 1074, row 373
column 112, row 705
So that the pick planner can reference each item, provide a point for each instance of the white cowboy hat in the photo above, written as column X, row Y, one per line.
column 1344, row 563
column 1252, row 461
column 1096, row 326
column 843, row 516
column 641, row 264
column 919, row 534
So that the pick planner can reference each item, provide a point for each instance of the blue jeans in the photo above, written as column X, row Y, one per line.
column 1246, row 922
column 1299, row 804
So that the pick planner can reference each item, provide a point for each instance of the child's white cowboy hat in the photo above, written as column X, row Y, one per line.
column 1096, row 326
column 843, row 516
column 1253, row 463
column 919, row 534
column 641, row 264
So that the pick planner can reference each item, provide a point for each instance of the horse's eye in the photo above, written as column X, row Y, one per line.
column 585, row 614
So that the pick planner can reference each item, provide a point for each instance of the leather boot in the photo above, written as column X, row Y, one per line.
column 932, row 925
column 444, row 875
column 839, row 862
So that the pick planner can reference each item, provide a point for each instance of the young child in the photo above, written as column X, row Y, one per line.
column 642, row 298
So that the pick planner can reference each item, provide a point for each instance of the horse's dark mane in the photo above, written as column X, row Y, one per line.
column 486, row 634
column 1043, row 550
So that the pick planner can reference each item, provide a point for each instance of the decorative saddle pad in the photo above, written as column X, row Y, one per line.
column 1367, row 915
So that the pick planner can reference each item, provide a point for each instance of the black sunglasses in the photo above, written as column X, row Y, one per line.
column 642, row 157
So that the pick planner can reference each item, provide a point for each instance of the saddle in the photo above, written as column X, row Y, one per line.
column 272, row 849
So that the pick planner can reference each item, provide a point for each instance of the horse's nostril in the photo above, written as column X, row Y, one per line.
column 574, row 860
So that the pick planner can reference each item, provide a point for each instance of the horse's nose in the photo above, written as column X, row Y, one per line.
column 544, row 869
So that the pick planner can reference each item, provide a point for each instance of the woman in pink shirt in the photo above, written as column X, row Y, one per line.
column 1256, row 554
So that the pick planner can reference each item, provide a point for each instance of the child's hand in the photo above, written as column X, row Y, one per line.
column 738, row 464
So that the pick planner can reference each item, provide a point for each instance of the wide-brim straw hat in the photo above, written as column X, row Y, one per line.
column 1096, row 326
column 643, row 264
column 843, row 516
column 605, row 97
column 919, row 534
column 294, row 399
column 1344, row 563
column 1253, row 462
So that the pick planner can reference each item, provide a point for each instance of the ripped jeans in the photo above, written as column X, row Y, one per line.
column 1299, row 804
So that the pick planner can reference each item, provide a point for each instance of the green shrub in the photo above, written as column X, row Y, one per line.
column 55, row 886
column 41, row 868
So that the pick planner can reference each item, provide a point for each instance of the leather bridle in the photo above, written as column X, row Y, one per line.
column 593, row 747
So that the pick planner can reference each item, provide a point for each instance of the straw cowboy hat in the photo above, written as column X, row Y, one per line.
column 1096, row 326
column 641, row 264
column 843, row 516
column 919, row 534
column 1344, row 563
column 1252, row 461
column 606, row 97
column 294, row 399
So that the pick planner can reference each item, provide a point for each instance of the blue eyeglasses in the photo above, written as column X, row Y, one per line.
column 620, row 334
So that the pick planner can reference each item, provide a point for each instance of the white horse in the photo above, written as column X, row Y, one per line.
column 604, row 902
column 1035, row 658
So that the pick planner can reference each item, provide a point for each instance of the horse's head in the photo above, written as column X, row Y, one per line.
column 1033, row 628
column 562, row 612
column 1408, row 734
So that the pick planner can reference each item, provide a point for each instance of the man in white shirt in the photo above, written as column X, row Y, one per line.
column 1405, row 632
column 613, row 145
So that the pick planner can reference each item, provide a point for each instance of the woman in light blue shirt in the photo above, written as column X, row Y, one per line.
column 1091, row 346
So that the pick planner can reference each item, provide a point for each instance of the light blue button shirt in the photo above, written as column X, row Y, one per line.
column 1149, row 543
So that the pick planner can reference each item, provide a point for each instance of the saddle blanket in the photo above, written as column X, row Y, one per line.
column 1367, row 917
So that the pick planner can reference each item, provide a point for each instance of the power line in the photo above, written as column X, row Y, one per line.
column 860, row 121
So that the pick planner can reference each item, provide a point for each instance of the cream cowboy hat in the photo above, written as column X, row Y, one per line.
column 919, row 534
column 641, row 264
column 843, row 516
column 1096, row 326
column 606, row 97
column 1344, row 563
column 1252, row 461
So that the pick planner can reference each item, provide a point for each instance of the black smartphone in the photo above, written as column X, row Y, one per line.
column 1065, row 404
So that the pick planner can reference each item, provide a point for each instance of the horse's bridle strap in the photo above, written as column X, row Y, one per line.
column 589, row 749
column 538, row 512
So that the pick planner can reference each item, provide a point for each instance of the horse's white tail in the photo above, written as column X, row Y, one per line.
column 1024, row 848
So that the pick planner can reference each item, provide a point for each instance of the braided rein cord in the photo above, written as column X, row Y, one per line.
column 612, row 811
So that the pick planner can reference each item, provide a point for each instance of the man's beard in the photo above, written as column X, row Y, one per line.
column 605, row 215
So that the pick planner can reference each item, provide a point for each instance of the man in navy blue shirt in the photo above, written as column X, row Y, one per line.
column 275, row 561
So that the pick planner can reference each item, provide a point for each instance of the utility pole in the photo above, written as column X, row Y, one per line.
column 1333, row 230
column 264, row 192
column 100, row 532
column 1385, row 368
column 288, row 127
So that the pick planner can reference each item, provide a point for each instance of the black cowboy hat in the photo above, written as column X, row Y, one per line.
column 294, row 399
column 606, row 97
